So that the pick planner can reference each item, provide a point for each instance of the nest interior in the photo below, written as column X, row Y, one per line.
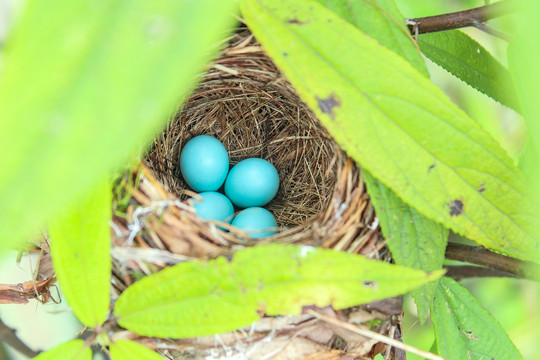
column 246, row 103
column 255, row 114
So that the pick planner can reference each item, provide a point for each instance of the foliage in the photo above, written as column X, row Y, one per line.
column 464, row 329
column 127, row 350
column 471, row 62
column 80, row 250
column 92, row 95
column 107, row 77
column 413, row 239
column 455, row 178
column 204, row 298
column 71, row 350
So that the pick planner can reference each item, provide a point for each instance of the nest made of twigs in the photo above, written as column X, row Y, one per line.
column 246, row 103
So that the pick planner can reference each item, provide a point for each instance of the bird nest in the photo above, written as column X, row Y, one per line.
column 246, row 103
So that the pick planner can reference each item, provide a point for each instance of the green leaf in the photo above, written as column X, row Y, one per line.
column 469, row 61
column 80, row 250
column 203, row 298
column 523, row 56
column 82, row 94
column 414, row 240
column 128, row 350
column 398, row 125
column 464, row 329
column 382, row 20
column 71, row 350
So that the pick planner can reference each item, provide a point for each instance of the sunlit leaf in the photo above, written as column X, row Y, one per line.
column 71, row 350
column 466, row 330
column 469, row 61
column 128, row 350
column 414, row 240
column 80, row 250
column 202, row 298
column 399, row 126
column 382, row 20
column 523, row 57
column 84, row 86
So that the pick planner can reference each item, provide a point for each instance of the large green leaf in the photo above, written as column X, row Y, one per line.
column 464, row 329
column 128, row 350
column 80, row 250
column 399, row 126
column 84, row 86
column 197, row 298
column 71, row 350
column 414, row 240
column 382, row 20
column 469, row 61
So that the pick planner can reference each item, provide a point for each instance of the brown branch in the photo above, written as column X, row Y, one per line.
column 7, row 335
column 461, row 19
column 469, row 271
column 479, row 255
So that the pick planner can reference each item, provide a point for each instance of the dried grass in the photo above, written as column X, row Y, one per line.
column 245, row 102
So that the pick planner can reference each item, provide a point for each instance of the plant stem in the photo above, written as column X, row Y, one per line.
column 481, row 256
column 7, row 335
column 469, row 271
column 460, row 19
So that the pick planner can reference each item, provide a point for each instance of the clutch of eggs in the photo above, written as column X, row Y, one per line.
column 204, row 164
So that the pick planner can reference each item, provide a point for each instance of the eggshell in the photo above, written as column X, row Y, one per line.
column 214, row 206
column 256, row 221
column 252, row 182
column 204, row 163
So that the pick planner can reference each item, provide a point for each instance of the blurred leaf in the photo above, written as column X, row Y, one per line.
column 382, row 20
column 71, row 350
column 469, row 61
column 128, row 350
column 524, row 54
column 80, row 250
column 523, row 57
column 414, row 240
column 399, row 126
column 203, row 298
column 464, row 329
column 81, row 94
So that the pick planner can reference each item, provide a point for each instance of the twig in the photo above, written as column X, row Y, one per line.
column 7, row 335
column 374, row 335
column 470, row 271
column 481, row 256
column 460, row 19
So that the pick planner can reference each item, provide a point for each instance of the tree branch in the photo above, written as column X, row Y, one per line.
column 7, row 335
column 481, row 256
column 469, row 271
column 461, row 19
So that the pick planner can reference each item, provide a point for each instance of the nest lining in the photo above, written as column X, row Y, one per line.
column 246, row 103
column 255, row 114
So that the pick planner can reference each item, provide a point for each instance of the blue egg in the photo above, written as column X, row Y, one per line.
column 256, row 221
column 252, row 182
column 214, row 206
column 204, row 163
